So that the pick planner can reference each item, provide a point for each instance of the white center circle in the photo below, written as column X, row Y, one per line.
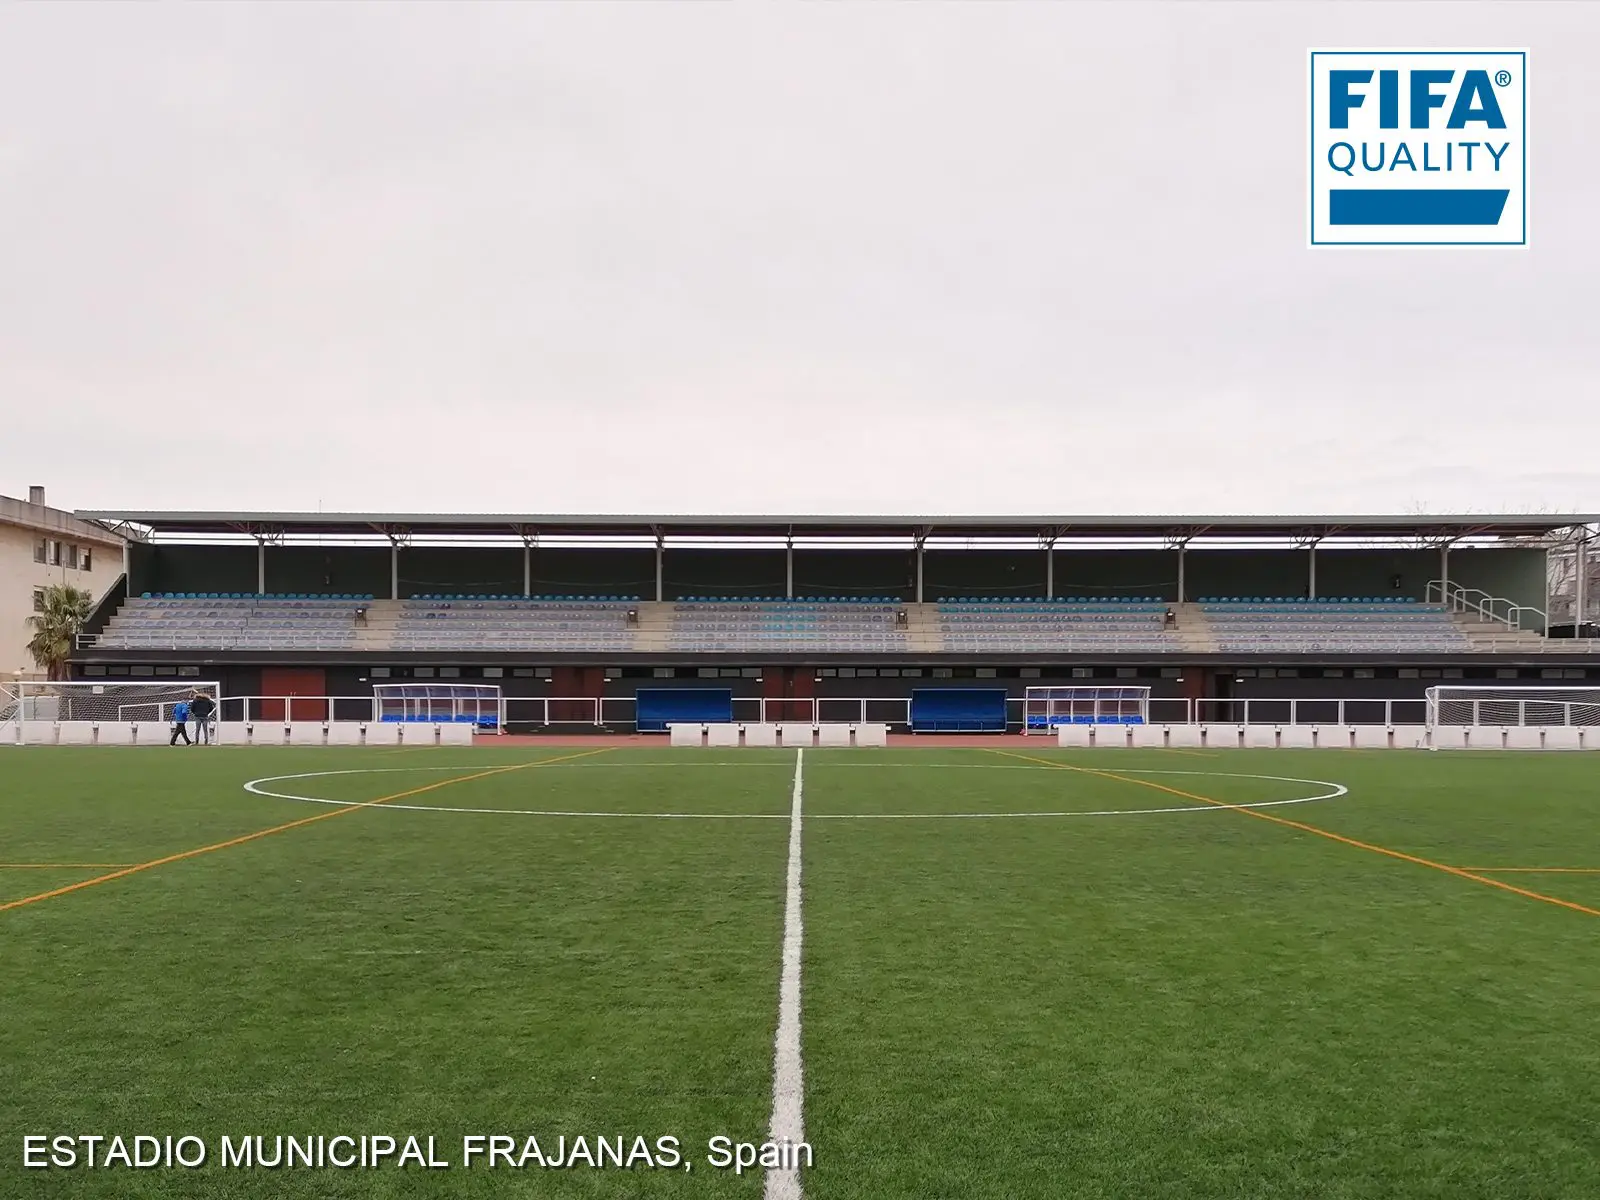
column 1331, row 791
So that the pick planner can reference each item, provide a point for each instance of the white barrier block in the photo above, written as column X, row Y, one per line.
column 831, row 734
column 681, row 733
column 1073, row 735
column 1563, row 737
column 383, row 733
column 454, row 733
column 872, row 735
column 75, row 733
column 116, row 733
column 760, row 735
column 344, row 733
column 223, row 733
column 151, row 733
column 39, row 733
column 722, row 734
column 305, row 733
column 795, row 733
column 1261, row 737
column 1145, row 736
column 1407, row 737
column 1181, row 737
column 1523, row 737
column 1300, row 737
column 413, row 733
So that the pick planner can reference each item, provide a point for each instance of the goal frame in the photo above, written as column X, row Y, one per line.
column 1517, row 706
column 1045, row 708
column 27, row 705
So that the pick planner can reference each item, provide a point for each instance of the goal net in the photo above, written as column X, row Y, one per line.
column 1044, row 708
column 1513, row 706
column 477, row 704
column 31, row 711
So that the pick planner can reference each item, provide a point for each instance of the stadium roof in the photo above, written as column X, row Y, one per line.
column 813, row 526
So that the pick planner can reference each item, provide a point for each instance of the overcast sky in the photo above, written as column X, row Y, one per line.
column 764, row 258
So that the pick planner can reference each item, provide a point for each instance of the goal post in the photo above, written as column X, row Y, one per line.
column 32, row 712
column 1046, row 708
column 477, row 704
column 1536, row 706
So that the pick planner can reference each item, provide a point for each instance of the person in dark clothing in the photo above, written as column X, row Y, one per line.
column 180, row 723
column 202, row 708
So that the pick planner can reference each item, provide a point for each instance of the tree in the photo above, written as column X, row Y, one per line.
column 55, row 627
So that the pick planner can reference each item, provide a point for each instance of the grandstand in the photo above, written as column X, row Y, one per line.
column 804, row 611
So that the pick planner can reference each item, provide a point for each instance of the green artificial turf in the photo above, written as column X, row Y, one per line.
column 1198, row 1003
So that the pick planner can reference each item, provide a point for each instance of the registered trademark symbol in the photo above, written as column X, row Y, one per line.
column 1501, row 78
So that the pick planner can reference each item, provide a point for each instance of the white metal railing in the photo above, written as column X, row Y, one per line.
column 528, row 712
column 1494, row 609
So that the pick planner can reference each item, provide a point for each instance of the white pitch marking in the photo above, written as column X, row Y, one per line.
column 788, row 1074
column 1336, row 790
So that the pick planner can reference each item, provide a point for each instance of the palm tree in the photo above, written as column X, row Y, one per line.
column 56, row 625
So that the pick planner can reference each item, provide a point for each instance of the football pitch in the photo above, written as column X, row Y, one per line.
column 1032, row 974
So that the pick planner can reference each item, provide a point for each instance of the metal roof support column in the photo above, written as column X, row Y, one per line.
column 661, row 575
column 788, row 567
column 1580, row 598
column 920, row 536
column 1048, row 538
column 1180, row 543
column 529, row 536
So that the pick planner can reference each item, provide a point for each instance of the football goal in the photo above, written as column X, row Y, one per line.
column 1462, row 705
column 31, row 711
column 1044, row 708
column 478, row 704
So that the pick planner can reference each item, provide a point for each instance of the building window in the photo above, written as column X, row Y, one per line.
column 55, row 554
column 38, row 599
column 84, row 562
column 72, row 557
column 41, row 550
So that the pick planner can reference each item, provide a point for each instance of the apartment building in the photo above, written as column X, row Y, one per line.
column 39, row 546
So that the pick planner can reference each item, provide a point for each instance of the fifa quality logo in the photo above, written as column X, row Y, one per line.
column 1419, row 148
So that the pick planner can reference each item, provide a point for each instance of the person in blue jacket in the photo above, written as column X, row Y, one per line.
column 180, row 723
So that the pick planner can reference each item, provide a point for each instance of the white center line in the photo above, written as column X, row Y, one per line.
column 788, row 1076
